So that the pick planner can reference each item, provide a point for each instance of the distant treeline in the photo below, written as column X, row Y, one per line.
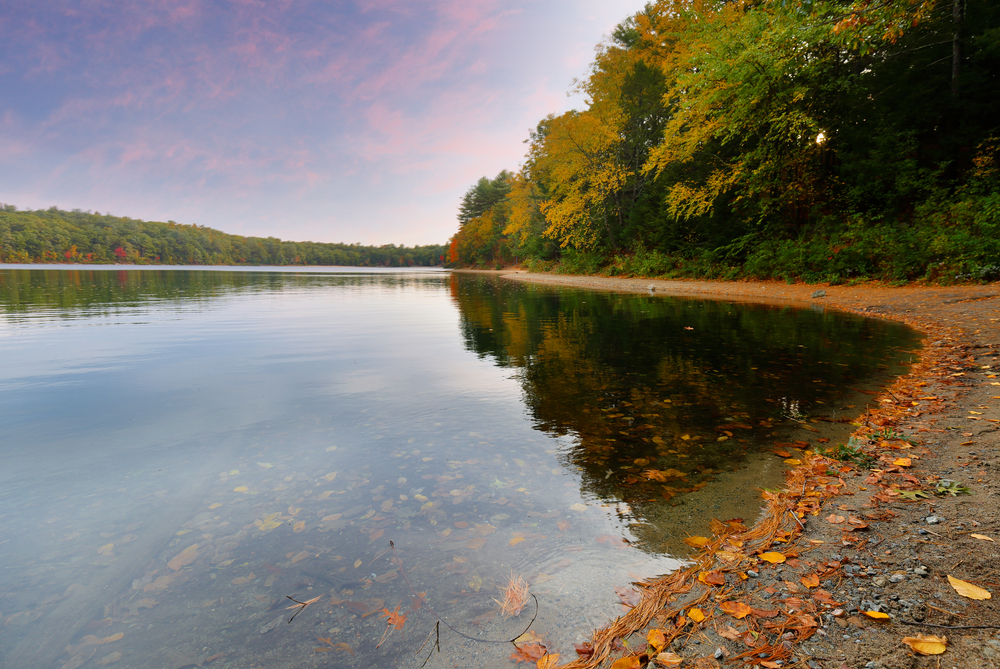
column 53, row 236
column 827, row 140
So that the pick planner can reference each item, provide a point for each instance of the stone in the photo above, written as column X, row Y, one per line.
column 819, row 293
column 934, row 520
column 897, row 578
column 879, row 581
column 752, row 574
column 921, row 571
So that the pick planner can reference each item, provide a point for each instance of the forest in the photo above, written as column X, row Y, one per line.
column 825, row 141
column 56, row 236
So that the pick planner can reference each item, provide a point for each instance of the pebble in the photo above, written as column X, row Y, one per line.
column 897, row 578
column 752, row 574
column 934, row 520
column 879, row 581
column 719, row 653
column 921, row 571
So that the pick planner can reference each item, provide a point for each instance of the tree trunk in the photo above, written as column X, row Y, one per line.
column 957, row 15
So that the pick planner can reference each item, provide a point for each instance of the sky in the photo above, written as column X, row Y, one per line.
column 321, row 120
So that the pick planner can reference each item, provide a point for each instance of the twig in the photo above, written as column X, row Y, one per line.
column 931, row 606
column 951, row 627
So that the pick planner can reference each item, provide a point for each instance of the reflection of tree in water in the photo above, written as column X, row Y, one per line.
column 661, row 393
column 66, row 291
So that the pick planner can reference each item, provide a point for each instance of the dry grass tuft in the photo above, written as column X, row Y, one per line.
column 515, row 596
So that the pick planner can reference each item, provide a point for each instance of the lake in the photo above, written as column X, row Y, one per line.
column 186, row 449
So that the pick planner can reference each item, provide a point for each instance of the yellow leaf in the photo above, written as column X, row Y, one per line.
column 967, row 589
column 547, row 661
column 299, row 526
column 357, row 563
column 686, row 437
column 669, row 660
column 696, row 615
column 697, row 542
column 629, row 662
column 981, row 537
column 185, row 557
column 114, row 637
column 877, row 615
column 657, row 639
column 515, row 541
column 265, row 465
column 240, row 488
column 902, row 462
column 793, row 461
column 772, row 557
column 927, row 644
column 216, row 505
column 330, row 476
column 106, row 549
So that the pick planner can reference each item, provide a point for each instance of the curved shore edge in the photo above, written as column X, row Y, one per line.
column 855, row 559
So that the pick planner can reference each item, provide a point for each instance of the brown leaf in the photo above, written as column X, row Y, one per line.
column 529, row 652
column 835, row 519
column 712, row 577
column 184, row 558
column 810, row 581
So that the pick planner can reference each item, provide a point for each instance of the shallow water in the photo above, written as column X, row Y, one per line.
column 182, row 449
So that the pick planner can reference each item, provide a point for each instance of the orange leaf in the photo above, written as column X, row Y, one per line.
column 657, row 639
column 628, row 662
column 696, row 542
column 772, row 557
column 968, row 590
column 696, row 615
column 737, row 610
column 184, row 558
column 927, row 644
column 835, row 519
column 712, row 578
column 515, row 541
column 811, row 581
column 877, row 615
column 902, row 462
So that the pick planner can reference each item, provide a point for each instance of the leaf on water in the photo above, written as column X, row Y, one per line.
column 300, row 556
column 737, row 610
column 519, row 463
column 325, row 494
column 106, row 549
column 515, row 541
column 330, row 518
column 835, row 519
column 265, row 465
column 628, row 596
column 697, row 542
column 548, row 661
column 981, row 537
column 578, row 507
column 696, row 615
column 376, row 535
column 240, row 488
column 772, row 557
column 657, row 639
column 927, row 644
column 110, row 658
column 184, row 558
column 563, row 525
column 243, row 580
column 118, row 636
column 968, row 589
column 669, row 659
column 357, row 563
column 811, row 581
column 215, row 506
column 712, row 578
column 330, row 476
column 298, row 527
column 475, row 544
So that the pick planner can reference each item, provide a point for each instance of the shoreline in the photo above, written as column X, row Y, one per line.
column 895, row 554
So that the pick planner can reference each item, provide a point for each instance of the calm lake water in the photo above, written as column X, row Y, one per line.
column 182, row 449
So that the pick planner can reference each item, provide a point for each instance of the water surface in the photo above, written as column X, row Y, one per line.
column 182, row 449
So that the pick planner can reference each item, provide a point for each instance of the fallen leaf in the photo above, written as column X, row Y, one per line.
column 927, row 644
column 475, row 544
column 376, row 535
column 548, row 661
column 968, row 589
column 981, row 537
column 669, row 660
column 730, row 632
column 110, row 659
column 265, row 465
column 330, row 476
column 563, row 525
column 515, row 541
column 299, row 526
column 835, row 519
column 243, row 580
column 184, row 558
column 737, row 610
column 111, row 639
column 772, row 557
column 712, row 578
column 241, row 488
column 529, row 652
column 697, row 542
column 657, row 639
column 628, row 662
column 811, row 581
column 793, row 461
column 902, row 462
column 877, row 615
column 578, row 507
column 106, row 549
column 215, row 506
column 696, row 615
